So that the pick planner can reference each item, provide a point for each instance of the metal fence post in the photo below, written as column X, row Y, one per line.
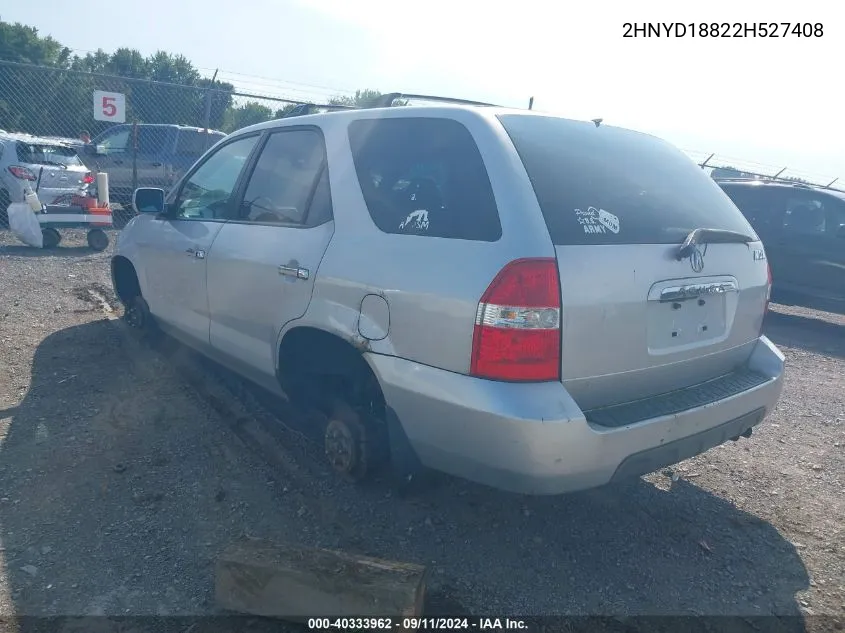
column 206, row 119
column 134, row 156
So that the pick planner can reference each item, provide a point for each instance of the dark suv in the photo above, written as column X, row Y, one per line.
column 163, row 153
column 803, row 229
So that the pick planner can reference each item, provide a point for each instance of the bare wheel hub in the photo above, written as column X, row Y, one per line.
column 136, row 314
column 345, row 446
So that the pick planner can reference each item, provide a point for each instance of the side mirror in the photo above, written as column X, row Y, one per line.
column 148, row 200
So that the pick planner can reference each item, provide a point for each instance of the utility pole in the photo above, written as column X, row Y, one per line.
column 207, row 115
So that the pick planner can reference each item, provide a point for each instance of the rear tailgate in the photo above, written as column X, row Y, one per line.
column 637, row 321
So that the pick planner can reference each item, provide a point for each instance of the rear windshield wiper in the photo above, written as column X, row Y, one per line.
column 50, row 163
column 713, row 236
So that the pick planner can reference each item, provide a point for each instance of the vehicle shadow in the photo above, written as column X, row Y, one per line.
column 806, row 332
column 114, row 502
column 117, row 488
column 631, row 550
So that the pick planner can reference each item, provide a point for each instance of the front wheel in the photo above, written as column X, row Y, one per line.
column 137, row 315
column 98, row 240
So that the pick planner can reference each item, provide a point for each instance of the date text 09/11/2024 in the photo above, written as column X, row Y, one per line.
column 722, row 29
column 417, row 624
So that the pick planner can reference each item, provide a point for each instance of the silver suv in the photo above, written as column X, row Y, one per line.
column 537, row 304
column 50, row 166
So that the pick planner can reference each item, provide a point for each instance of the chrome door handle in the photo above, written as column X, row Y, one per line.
column 196, row 253
column 293, row 271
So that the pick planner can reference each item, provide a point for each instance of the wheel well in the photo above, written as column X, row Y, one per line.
column 126, row 284
column 315, row 366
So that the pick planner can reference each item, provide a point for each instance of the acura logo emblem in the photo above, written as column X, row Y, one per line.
column 696, row 258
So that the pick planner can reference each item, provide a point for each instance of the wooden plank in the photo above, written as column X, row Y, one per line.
column 294, row 583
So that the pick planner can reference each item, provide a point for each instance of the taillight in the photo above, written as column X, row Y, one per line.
column 88, row 178
column 517, row 325
column 22, row 172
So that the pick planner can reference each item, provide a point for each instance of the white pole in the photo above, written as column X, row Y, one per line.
column 103, row 189
column 32, row 200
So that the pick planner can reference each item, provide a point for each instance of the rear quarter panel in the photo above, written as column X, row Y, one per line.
column 431, row 285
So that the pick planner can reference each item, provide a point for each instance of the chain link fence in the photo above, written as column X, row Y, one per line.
column 140, row 132
column 144, row 132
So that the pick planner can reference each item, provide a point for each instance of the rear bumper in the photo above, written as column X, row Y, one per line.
column 534, row 439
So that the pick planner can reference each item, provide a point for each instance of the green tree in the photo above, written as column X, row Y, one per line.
column 56, row 97
column 247, row 114
column 22, row 44
column 362, row 99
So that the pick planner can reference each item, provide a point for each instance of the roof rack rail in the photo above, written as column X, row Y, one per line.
column 386, row 100
column 302, row 109
column 768, row 179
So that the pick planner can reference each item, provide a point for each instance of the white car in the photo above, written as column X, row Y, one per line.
column 46, row 165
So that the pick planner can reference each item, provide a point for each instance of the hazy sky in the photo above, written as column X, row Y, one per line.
column 773, row 101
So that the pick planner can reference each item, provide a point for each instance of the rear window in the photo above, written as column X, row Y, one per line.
column 607, row 185
column 424, row 176
column 42, row 154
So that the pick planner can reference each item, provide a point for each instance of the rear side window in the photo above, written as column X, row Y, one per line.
column 605, row 185
column 424, row 176
column 812, row 214
column 194, row 142
column 50, row 155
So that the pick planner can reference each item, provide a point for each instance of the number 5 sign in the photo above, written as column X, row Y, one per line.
column 109, row 106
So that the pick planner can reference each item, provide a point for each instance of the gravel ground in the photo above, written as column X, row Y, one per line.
column 126, row 468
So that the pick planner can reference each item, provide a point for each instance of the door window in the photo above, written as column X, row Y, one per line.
column 153, row 140
column 835, row 218
column 115, row 141
column 757, row 203
column 207, row 193
column 285, row 179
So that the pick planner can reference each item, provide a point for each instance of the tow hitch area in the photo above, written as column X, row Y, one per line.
column 746, row 434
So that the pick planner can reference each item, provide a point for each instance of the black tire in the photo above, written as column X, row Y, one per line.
column 51, row 238
column 98, row 240
column 5, row 201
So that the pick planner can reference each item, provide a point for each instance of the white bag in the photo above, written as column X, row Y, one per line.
column 24, row 224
